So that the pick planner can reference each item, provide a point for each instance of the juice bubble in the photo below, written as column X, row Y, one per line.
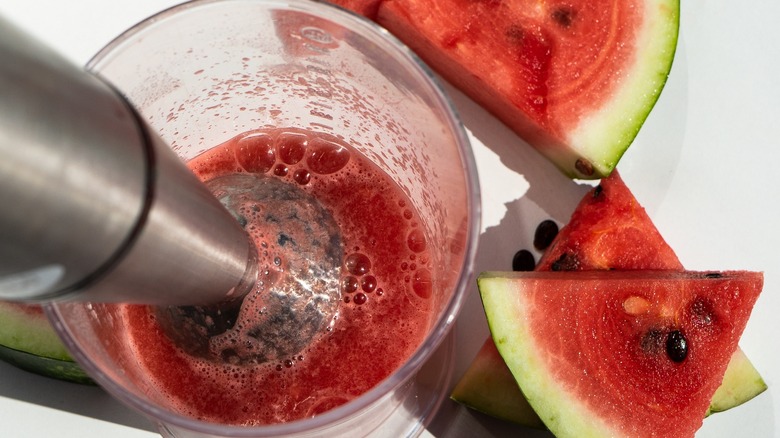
column 422, row 284
column 281, row 170
column 349, row 284
column 416, row 240
column 357, row 263
column 326, row 156
column 302, row 176
column 255, row 153
column 368, row 283
column 291, row 147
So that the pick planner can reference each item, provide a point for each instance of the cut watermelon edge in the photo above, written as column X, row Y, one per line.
column 605, row 136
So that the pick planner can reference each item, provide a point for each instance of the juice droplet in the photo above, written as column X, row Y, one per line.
column 422, row 284
column 326, row 156
column 255, row 153
column 357, row 263
column 416, row 240
column 291, row 146
column 360, row 298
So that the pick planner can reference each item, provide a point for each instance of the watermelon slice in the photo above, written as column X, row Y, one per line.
column 608, row 230
column 576, row 80
column 28, row 341
column 619, row 353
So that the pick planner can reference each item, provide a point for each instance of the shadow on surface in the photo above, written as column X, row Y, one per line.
column 84, row 400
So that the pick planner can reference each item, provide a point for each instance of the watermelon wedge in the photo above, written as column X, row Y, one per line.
column 609, row 229
column 619, row 353
column 576, row 80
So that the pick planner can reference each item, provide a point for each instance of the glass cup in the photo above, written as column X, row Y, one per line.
column 201, row 73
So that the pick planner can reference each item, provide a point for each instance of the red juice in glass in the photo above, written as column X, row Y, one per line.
column 383, row 283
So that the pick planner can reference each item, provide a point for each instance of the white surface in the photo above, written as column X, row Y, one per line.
column 704, row 167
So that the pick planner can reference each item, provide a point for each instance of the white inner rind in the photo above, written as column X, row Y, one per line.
column 605, row 135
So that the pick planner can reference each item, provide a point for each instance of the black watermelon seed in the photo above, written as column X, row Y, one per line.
column 545, row 234
column 597, row 191
column 713, row 275
column 523, row 261
column 676, row 346
column 564, row 16
column 584, row 166
column 566, row 262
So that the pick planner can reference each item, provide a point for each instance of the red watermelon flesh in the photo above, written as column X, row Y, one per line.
column 609, row 229
column 619, row 353
column 576, row 80
column 366, row 8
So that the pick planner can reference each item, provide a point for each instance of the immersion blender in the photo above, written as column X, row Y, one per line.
column 93, row 205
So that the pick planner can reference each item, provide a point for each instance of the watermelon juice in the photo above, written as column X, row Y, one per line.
column 384, row 308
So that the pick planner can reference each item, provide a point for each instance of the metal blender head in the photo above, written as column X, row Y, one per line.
column 95, row 207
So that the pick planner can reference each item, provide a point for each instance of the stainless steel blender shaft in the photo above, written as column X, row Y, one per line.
column 93, row 205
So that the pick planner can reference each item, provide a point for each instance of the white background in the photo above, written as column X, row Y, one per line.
column 703, row 166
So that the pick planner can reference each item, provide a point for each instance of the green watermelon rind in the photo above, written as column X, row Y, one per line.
column 29, row 332
column 544, row 395
column 60, row 369
column 741, row 383
column 604, row 136
column 28, row 341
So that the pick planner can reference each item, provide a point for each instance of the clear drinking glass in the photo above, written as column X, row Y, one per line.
column 204, row 71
